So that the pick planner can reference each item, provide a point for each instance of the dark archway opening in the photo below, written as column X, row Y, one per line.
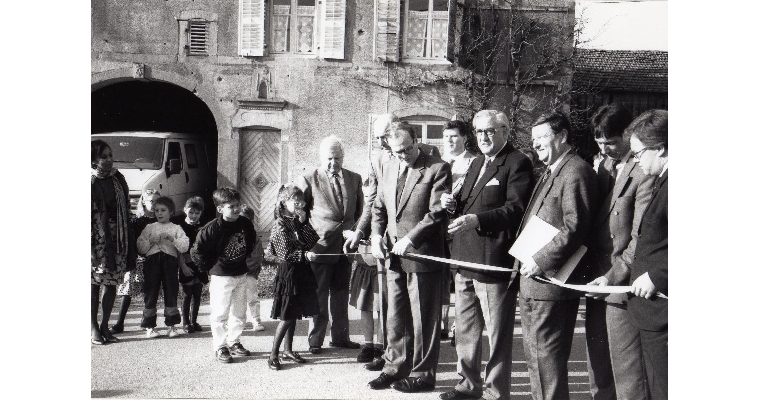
column 150, row 106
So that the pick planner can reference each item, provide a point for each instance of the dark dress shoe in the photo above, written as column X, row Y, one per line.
column 116, row 328
column 383, row 381
column 293, row 356
column 456, row 395
column 412, row 385
column 315, row 350
column 346, row 345
column 375, row 365
column 274, row 363
column 97, row 339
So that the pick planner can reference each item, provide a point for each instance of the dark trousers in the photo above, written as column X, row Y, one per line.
column 601, row 380
column 332, row 293
column 625, row 354
column 414, row 305
column 483, row 307
column 160, row 269
column 655, row 348
column 547, row 338
column 192, row 293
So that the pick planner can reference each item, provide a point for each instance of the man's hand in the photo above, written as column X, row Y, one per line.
column 379, row 250
column 352, row 240
column 530, row 269
column 600, row 281
column 401, row 246
column 643, row 286
column 310, row 255
column 448, row 202
column 186, row 270
column 464, row 223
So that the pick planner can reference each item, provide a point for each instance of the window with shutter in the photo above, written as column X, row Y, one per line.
column 197, row 32
column 292, row 26
column 426, row 29
column 387, row 28
column 251, row 28
column 333, row 26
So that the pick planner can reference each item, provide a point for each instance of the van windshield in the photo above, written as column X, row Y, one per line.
column 136, row 152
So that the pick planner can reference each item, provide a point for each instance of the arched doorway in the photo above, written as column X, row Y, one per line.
column 135, row 105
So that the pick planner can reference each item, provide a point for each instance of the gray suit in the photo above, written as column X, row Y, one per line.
column 414, row 298
column 332, row 272
column 548, row 312
column 616, row 366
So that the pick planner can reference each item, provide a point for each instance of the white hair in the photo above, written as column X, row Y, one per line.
column 381, row 124
column 499, row 117
column 329, row 143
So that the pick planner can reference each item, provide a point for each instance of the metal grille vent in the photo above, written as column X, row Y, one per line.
column 198, row 37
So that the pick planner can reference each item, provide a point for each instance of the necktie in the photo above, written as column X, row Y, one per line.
column 335, row 183
column 614, row 172
column 483, row 170
column 541, row 182
column 400, row 184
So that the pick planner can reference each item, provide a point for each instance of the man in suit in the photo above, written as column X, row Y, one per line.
column 564, row 198
column 488, row 210
column 615, row 362
column 334, row 201
column 649, row 269
column 379, row 132
column 407, row 217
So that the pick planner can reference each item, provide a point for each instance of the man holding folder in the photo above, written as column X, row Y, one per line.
column 564, row 198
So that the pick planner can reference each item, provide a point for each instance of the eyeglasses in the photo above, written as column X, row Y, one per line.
column 490, row 132
column 637, row 155
column 298, row 203
column 406, row 151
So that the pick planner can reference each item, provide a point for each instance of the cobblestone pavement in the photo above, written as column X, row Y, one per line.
column 184, row 367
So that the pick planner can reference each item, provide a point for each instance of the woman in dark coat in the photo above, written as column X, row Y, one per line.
column 112, row 241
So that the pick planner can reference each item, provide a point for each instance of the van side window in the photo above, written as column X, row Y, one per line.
column 174, row 152
column 201, row 155
column 192, row 159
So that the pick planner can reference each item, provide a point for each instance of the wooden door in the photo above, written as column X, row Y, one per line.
column 260, row 176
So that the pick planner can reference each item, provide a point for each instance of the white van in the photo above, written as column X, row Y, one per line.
column 178, row 165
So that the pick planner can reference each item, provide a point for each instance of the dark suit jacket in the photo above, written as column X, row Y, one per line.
column 370, row 191
column 325, row 216
column 617, row 221
column 419, row 214
column 652, row 257
column 498, row 200
column 566, row 202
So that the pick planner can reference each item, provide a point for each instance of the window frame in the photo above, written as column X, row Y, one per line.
column 428, row 37
column 292, row 35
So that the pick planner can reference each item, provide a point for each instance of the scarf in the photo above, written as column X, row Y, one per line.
column 104, row 247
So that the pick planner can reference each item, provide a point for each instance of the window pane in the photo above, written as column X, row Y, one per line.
column 174, row 153
column 306, row 3
column 419, row 5
column 435, row 131
column 135, row 152
column 280, row 25
column 192, row 160
column 440, row 5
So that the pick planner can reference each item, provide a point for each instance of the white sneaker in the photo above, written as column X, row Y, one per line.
column 152, row 333
column 258, row 328
column 173, row 332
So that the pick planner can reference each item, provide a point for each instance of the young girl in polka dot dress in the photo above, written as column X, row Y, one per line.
column 295, row 287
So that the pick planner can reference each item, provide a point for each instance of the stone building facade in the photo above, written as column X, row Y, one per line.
column 279, row 75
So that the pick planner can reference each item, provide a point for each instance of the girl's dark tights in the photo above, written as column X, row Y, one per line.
column 126, row 300
column 285, row 330
column 106, row 302
column 192, row 292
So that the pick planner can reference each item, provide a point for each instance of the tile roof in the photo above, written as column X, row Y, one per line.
column 621, row 70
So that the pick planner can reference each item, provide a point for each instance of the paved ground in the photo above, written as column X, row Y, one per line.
column 184, row 367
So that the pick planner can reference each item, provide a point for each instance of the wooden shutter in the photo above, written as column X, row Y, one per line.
column 251, row 28
column 454, row 33
column 333, row 29
column 197, row 33
column 387, row 29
